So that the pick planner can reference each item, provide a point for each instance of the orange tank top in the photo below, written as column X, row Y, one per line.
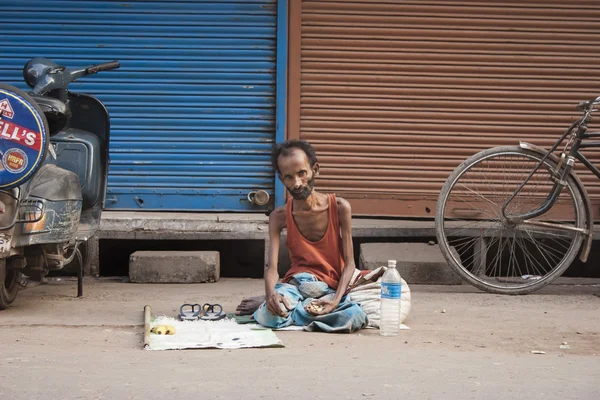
column 324, row 258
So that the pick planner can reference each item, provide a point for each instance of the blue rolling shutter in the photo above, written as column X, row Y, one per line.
column 193, row 105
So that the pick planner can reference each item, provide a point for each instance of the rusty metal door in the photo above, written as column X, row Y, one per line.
column 394, row 95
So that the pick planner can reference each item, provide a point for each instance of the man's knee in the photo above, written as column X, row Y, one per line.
column 266, row 318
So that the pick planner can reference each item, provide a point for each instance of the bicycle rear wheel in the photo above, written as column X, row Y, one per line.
column 491, row 252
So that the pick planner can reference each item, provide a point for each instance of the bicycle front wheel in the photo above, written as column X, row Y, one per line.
column 492, row 252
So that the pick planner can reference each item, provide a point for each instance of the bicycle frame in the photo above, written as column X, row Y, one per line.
column 577, row 133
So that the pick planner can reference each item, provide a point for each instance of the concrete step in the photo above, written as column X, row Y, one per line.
column 174, row 266
column 418, row 263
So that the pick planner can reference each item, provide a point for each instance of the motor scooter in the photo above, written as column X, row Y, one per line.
column 53, row 173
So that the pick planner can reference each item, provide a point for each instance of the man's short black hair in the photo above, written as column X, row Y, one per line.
column 285, row 149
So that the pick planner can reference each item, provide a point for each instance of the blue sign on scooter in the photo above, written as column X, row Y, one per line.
column 22, row 139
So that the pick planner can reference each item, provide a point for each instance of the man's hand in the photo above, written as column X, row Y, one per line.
column 321, row 307
column 278, row 305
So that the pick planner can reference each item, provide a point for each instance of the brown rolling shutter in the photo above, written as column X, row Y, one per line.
column 394, row 95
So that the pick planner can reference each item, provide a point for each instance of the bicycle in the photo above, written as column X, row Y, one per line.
column 512, row 219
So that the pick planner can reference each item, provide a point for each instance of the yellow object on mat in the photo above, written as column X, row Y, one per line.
column 163, row 330
column 159, row 330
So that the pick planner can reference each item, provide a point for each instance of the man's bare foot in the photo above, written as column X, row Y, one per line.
column 249, row 305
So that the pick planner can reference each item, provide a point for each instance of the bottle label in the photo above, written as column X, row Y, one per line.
column 390, row 290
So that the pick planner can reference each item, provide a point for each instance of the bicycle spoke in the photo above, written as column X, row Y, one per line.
column 551, row 251
column 477, row 208
column 550, row 233
column 496, row 260
column 464, row 248
column 490, row 245
column 483, row 197
column 514, row 259
column 532, row 260
column 546, row 235
column 539, row 250
column 467, row 261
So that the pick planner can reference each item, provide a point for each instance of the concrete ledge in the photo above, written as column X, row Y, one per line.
column 416, row 262
column 160, row 225
column 206, row 226
column 174, row 267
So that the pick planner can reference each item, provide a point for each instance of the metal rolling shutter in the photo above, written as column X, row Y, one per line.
column 395, row 94
column 193, row 105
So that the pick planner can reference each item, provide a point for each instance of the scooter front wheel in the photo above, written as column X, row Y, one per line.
column 9, row 287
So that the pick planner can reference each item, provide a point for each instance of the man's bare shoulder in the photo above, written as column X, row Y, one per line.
column 277, row 218
column 343, row 206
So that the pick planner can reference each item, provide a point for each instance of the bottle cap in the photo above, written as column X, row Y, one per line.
column 391, row 263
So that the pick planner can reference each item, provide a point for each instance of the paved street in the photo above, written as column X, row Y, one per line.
column 54, row 345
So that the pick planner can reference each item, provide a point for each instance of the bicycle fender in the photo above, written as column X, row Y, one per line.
column 587, row 245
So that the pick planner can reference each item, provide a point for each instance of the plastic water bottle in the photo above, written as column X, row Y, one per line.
column 391, row 287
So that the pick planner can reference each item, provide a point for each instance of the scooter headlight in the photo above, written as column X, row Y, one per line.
column 34, row 211
column 37, row 226
column 33, row 70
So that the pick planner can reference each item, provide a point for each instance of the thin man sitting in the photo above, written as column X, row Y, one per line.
column 319, row 240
